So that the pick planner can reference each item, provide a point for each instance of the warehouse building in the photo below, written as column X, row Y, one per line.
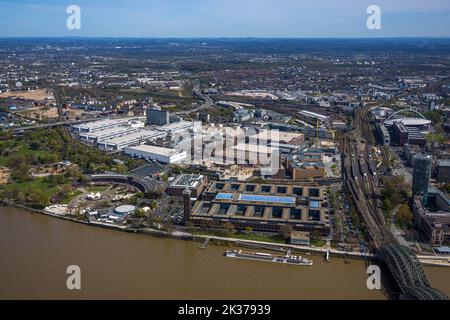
column 160, row 154
column 102, row 124
column 108, row 133
column 131, row 139
column 177, row 127
column 312, row 117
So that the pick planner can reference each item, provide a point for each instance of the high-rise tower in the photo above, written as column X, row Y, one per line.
column 421, row 175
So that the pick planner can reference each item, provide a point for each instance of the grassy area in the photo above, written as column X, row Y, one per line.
column 318, row 242
column 259, row 237
column 97, row 188
column 13, row 148
column 253, row 236
column 70, row 196
column 24, row 187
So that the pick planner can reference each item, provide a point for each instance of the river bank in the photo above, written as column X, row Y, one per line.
column 134, row 266
column 199, row 237
column 129, row 265
column 424, row 259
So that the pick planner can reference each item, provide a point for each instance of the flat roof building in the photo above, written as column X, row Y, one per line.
column 264, row 207
column 195, row 183
column 313, row 115
column 177, row 127
column 102, row 124
column 399, row 133
column 107, row 133
column 416, row 137
column 130, row 139
column 160, row 154
column 300, row 238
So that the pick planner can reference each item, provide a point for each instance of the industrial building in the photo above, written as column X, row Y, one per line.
column 264, row 207
column 134, row 137
column 313, row 117
column 160, row 154
column 177, row 127
column 108, row 133
column 102, row 124
column 157, row 117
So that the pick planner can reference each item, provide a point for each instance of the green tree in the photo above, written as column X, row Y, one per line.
column 38, row 197
column 228, row 228
column 405, row 215
column 285, row 231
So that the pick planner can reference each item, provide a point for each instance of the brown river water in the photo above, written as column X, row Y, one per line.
column 35, row 251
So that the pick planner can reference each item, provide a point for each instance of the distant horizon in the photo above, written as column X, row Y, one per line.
column 226, row 38
column 290, row 19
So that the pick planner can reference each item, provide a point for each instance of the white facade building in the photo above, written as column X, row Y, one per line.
column 133, row 138
column 160, row 154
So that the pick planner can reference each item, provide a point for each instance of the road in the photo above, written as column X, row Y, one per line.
column 208, row 102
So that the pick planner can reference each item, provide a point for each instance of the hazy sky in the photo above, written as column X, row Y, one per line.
column 225, row 18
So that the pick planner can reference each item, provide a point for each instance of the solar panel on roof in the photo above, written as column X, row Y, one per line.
column 314, row 204
column 261, row 198
column 224, row 196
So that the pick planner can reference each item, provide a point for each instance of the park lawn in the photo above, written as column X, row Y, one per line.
column 22, row 148
column 49, row 189
column 70, row 196
column 97, row 188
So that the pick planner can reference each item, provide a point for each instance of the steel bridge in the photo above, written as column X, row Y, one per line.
column 408, row 273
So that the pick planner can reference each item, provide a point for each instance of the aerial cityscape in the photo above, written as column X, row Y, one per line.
column 187, row 166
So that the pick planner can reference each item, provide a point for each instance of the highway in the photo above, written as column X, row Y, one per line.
column 208, row 102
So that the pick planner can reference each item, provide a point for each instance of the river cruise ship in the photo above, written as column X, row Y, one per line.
column 288, row 258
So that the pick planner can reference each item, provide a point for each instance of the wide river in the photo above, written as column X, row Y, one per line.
column 35, row 251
